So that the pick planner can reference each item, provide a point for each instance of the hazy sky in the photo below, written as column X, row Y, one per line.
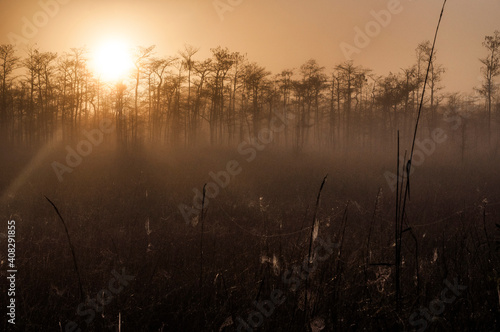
column 278, row 34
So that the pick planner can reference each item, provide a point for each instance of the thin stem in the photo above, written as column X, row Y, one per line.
column 70, row 247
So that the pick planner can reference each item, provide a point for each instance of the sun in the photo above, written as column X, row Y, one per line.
column 112, row 60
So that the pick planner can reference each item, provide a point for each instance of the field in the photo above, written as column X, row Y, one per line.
column 333, row 168
column 249, row 262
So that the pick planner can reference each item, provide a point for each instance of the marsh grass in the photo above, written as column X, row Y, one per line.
column 73, row 254
column 107, row 231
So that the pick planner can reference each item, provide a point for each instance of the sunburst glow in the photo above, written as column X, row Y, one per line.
column 112, row 60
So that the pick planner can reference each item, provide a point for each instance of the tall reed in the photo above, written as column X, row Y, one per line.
column 401, row 203
column 70, row 247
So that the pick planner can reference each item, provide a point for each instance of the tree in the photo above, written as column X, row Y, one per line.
column 64, row 68
column 121, row 119
column 222, row 62
column 238, row 73
column 490, row 70
column 202, row 70
column 48, row 115
column 392, row 93
column 314, row 81
column 188, row 64
column 285, row 85
column 79, row 68
column 8, row 62
column 254, row 76
column 141, row 58
column 436, row 71
column 157, row 68
column 409, row 87
column 348, row 76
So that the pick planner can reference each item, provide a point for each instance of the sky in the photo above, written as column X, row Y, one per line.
column 278, row 34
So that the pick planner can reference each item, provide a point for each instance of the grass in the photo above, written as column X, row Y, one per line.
column 105, row 208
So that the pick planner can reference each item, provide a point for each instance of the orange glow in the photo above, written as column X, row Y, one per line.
column 112, row 60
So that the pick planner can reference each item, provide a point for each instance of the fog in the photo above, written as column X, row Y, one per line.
column 200, row 190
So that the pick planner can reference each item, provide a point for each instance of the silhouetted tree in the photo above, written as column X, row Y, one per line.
column 490, row 70
column 141, row 58
column 157, row 69
column 434, row 78
column 188, row 63
column 222, row 62
column 349, row 77
column 8, row 63
column 254, row 76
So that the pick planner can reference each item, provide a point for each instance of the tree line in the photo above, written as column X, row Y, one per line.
column 179, row 101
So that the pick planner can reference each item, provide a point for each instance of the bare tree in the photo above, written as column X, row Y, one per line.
column 236, row 84
column 158, row 69
column 202, row 70
column 222, row 62
column 79, row 68
column 254, row 80
column 490, row 70
column 8, row 62
column 348, row 75
column 141, row 58
column 188, row 64
column 435, row 77
column 314, row 81
column 285, row 81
